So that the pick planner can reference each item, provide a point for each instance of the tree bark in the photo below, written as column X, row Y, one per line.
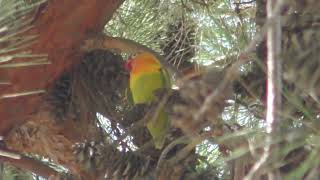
column 61, row 28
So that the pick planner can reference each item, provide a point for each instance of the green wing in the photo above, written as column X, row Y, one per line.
column 158, row 129
column 143, row 92
column 146, row 84
column 166, row 78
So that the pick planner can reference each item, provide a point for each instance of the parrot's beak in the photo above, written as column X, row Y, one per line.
column 128, row 65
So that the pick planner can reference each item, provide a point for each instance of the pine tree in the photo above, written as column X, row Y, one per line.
column 82, row 124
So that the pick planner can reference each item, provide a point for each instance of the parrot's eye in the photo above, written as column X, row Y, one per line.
column 128, row 65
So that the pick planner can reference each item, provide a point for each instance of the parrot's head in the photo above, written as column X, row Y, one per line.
column 144, row 62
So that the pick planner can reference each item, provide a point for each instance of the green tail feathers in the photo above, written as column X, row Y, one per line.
column 158, row 129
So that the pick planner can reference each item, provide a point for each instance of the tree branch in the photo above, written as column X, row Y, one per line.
column 273, row 83
column 126, row 46
column 29, row 164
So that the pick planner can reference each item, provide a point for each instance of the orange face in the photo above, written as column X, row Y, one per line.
column 144, row 62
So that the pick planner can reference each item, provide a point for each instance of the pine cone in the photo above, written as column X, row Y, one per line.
column 189, row 100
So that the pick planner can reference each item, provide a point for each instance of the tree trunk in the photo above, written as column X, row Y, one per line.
column 61, row 28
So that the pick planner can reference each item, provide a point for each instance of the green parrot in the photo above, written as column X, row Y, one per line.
column 146, row 76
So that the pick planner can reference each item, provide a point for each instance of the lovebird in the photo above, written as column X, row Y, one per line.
column 147, row 75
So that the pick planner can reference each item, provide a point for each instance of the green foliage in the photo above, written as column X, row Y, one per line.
column 220, row 34
column 11, row 173
column 223, row 29
column 13, row 23
column 220, row 31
